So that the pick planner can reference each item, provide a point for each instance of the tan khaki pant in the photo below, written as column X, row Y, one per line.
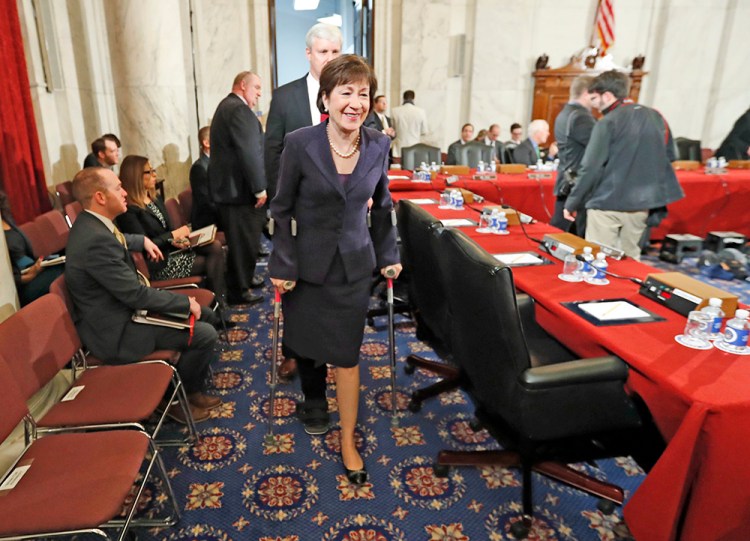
column 618, row 229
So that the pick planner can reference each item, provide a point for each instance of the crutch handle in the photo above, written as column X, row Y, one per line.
column 390, row 272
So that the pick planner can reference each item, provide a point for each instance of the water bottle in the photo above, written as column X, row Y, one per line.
column 434, row 167
column 492, row 166
column 587, row 270
column 459, row 200
column 735, row 333
column 598, row 268
column 480, row 166
column 501, row 224
column 714, row 308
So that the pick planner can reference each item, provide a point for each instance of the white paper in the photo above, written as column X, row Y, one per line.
column 398, row 177
column 72, row 393
column 611, row 310
column 423, row 201
column 15, row 476
column 522, row 258
column 456, row 222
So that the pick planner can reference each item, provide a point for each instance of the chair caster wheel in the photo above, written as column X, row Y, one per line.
column 521, row 528
column 605, row 506
column 441, row 470
column 414, row 406
column 409, row 368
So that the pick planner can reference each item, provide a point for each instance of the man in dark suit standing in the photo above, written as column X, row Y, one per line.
column 379, row 121
column 204, row 210
column 293, row 105
column 106, row 291
column 237, row 184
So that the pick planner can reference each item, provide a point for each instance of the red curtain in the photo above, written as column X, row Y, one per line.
column 21, row 171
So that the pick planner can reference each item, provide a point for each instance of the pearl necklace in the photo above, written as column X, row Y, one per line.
column 355, row 146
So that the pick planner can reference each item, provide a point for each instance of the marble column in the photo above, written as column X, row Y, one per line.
column 151, row 61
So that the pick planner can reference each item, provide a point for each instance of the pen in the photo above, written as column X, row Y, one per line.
column 614, row 307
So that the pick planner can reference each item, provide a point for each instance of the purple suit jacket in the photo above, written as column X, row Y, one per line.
column 330, row 215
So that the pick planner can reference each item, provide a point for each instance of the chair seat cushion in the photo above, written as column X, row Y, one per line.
column 75, row 481
column 112, row 394
column 204, row 297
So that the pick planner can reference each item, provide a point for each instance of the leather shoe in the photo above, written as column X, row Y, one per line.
column 257, row 281
column 288, row 368
column 176, row 414
column 246, row 297
column 314, row 417
column 204, row 401
column 356, row 477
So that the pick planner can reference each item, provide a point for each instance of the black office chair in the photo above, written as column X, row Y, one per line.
column 688, row 149
column 536, row 412
column 472, row 153
column 412, row 156
column 427, row 299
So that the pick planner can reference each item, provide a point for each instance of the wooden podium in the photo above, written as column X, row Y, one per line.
column 552, row 86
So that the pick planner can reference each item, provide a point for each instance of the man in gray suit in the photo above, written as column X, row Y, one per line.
column 237, row 184
column 106, row 291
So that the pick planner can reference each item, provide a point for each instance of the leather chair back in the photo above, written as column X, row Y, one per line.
column 64, row 192
column 426, row 286
column 54, row 231
column 489, row 344
column 185, row 197
column 472, row 153
column 175, row 212
column 72, row 210
column 688, row 149
column 412, row 156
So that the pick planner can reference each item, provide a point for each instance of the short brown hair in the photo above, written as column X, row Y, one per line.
column 345, row 69
column 86, row 183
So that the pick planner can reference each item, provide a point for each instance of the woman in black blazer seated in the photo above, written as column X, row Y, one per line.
column 324, row 264
column 32, row 280
column 147, row 215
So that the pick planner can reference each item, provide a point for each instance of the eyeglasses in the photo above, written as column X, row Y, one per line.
column 149, row 172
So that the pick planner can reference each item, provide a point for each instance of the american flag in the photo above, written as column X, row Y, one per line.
column 605, row 25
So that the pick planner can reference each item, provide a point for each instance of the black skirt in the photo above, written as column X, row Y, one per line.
column 326, row 322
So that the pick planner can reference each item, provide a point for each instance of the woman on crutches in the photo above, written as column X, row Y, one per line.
column 327, row 242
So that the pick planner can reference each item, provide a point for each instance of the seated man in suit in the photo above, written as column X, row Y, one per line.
column 106, row 290
column 105, row 152
column 467, row 134
column 493, row 139
column 529, row 151
column 516, row 136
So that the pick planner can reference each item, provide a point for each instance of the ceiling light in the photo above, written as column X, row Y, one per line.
column 305, row 5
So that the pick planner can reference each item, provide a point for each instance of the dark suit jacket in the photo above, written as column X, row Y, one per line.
column 289, row 111
column 373, row 121
column 105, row 290
column 525, row 153
column 331, row 216
column 204, row 210
column 235, row 170
column 141, row 221
column 453, row 150
column 734, row 147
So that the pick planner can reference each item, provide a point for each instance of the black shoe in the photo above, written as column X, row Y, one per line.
column 315, row 418
column 246, row 297
column 356, row 477
column 257, row 282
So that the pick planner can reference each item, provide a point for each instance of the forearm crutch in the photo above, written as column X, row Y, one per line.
column 274, row 359
column 390, row 273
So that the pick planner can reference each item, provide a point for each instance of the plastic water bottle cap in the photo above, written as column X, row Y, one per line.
column 600, row 256
column 713, row 301
column 742, row 314
column 587, row 249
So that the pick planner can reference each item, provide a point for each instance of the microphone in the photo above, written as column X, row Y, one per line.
column 633, row 279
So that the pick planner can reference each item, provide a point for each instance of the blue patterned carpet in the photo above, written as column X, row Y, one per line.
column 231, row 487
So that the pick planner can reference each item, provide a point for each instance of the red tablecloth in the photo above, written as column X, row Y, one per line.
column 699, row 399
column 711, row 202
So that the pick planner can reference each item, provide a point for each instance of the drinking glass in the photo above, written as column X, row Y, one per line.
column 484, row 224
column 445, row 200
column 697, row 331
column 571, row 267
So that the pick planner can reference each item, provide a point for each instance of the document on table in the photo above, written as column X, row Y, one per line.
column 613, row 310
column 398, row 177
column 520, row 258
column 422, row 201
column 457, row 222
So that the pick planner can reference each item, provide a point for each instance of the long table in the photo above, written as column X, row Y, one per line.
column 711, row 202
column 699, row 490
